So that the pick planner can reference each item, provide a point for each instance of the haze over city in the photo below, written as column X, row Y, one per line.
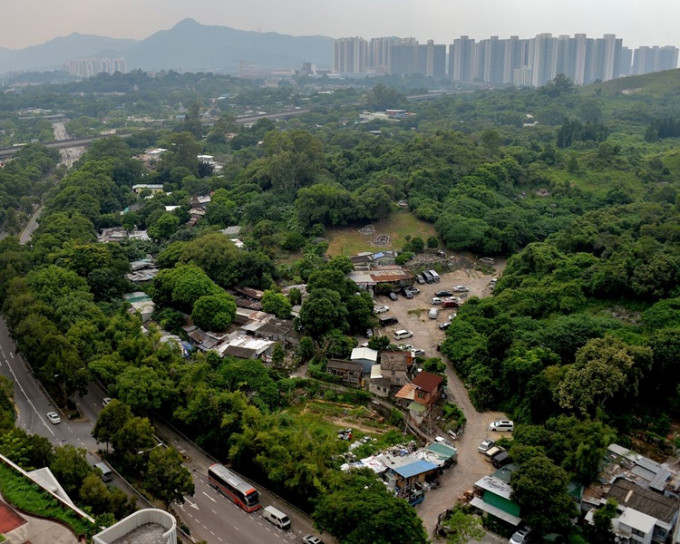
column 649, row 22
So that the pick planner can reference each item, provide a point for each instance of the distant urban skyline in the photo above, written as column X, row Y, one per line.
column 639, row 22
column 516, row 60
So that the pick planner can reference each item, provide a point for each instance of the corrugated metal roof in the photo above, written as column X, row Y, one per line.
column 442, row 450
column 496, row 512
column 413, row 469
column 364, row 353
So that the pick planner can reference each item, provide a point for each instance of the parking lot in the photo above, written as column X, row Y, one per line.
column 413, row 313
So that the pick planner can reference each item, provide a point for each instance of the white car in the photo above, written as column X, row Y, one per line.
column 106, row 400
column 502, row 425
column 311, row 539
column 460, row 289
column 520, row 536
column 53, row 417
column 381, row 309
column 417, row 352
column 436, row 300
column 486, row 445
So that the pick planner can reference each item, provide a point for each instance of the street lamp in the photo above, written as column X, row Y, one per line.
column 141, row 452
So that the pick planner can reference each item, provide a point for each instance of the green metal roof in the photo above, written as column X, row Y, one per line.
column 442, row 450
column 502, row 504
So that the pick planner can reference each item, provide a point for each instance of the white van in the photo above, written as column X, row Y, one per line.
column 275, row 516
column 403, row 333
column 434, row 312
column 107, row 473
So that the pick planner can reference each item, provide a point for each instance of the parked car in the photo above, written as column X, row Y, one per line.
column 311, row 539
column 444, row 293
column 486, row 445
column 492, row 452
column 520, row 536
column 414, row 290
column 53, row 417
column 420, row 279
column 436, row 300
column 460, row 289
column 369, row 333
column 106, row 400
column 388, row 320
column 392, row 295
column 407, row 293
column 381, row 309
column 433, row 313
column 403, row 333
column 418, row 352
column 445, row 325
column 502, row 425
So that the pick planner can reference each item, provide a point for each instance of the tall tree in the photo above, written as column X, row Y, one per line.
column 360, row 510
column 540, row 488
column 167, row 478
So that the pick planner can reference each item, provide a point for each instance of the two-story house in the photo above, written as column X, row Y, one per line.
column 392, row 373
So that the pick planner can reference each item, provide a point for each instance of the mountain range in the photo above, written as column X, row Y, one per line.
column 188, row 46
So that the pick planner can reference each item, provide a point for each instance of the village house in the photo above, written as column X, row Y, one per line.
column 395, row 366
column 366, row 356
column 278, row 330
column 420, row 395
column 394, row 275
column 493, row 496
column 646, row 493
column 349, row 371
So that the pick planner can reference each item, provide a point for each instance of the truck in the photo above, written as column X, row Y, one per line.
column 435, row 276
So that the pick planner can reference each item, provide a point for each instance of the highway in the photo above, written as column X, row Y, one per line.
column 6, row 152
column 209, row 515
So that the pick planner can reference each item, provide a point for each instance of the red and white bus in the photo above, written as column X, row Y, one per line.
column 242, row 493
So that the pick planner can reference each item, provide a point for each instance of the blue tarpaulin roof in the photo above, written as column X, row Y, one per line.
column 413, row 469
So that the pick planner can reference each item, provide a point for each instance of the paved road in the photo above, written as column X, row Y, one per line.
column 209, row 515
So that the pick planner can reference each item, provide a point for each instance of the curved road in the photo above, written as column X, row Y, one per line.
column 208, row 514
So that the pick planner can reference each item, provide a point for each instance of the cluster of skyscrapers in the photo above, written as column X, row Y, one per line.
column 511, row 61
column 88, row 67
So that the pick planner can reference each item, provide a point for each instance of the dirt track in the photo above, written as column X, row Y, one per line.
column 413, row 315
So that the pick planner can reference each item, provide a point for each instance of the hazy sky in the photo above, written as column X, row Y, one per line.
column 638, row 22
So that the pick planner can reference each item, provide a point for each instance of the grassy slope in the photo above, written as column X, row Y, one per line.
column 348, row 241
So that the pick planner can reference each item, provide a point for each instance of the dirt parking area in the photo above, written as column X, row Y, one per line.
column 413, row 314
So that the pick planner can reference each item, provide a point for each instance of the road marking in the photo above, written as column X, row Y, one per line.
column 29, row 400
column 213, row 500
column 192, row 504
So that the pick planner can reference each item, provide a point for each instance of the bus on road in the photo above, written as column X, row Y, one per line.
column 242, row 493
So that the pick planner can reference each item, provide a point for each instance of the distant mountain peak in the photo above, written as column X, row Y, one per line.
column 187, row 23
